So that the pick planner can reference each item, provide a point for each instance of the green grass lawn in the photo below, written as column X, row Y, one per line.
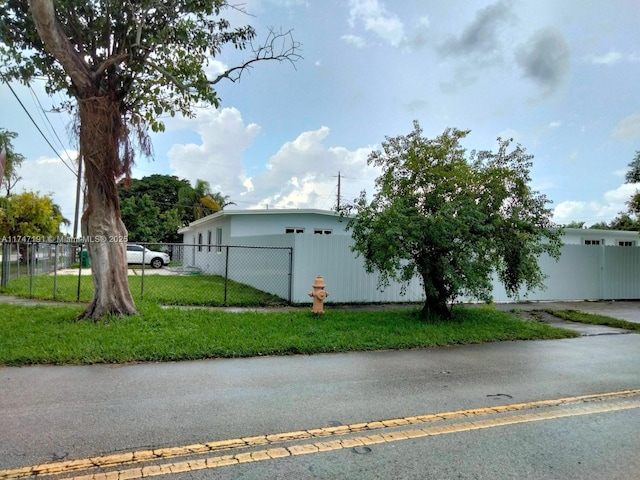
column 50, row 335
column 163, row 289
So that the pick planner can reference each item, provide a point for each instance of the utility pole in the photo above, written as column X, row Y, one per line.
column 77, row 210
column 338, row 205
column 338, row 191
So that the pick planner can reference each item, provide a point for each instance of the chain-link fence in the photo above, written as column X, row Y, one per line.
column 168, row 274
column 30, row 259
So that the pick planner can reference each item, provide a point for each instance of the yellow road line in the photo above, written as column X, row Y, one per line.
column 128, row 458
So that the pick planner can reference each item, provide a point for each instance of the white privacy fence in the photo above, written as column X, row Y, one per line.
column 584, row 272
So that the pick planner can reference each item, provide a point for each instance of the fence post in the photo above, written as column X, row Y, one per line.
column 31, row 267
column 144, row 251
column 6, row 260
column 602, row 272
column 226, row 274
column 79, row 271
column 55, row 268
column 290, row 273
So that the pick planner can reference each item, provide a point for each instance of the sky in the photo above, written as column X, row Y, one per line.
column 557, row 76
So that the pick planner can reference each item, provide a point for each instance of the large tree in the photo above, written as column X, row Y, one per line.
column 123, row 64
column 453, row 219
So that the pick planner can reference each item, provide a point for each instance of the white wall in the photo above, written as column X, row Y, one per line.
column 577, row 236
column 274, row 224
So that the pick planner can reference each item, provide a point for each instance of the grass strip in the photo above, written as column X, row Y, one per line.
column 168, row 290
column 594, row 319
column 50, row 335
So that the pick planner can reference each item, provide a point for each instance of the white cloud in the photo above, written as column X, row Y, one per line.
column 303, row 174
column 628, row 128
column 375, row 17
column 555, row 124
column 218, row 158
column 354, row 41
column 609, row 58
column 214, row 68
column 612, row 203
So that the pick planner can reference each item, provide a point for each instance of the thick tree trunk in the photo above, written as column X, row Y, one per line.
column 436, row 295
column 435, row 308
column 102, row 227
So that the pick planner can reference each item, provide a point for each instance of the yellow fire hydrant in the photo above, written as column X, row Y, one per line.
column 319, row 294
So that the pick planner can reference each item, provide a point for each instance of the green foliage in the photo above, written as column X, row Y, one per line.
column 633, row 174
column 29, row 215
column 154, row 208
column 200, row 200
column 154, row 54
column 453, row 220
column 41, row 335
column 574, row 224
column 142, row 219
column 625, row 221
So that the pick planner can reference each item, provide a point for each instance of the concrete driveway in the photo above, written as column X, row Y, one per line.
column 624, row 310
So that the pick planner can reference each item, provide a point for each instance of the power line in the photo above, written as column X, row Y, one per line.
column 45, row 117
column 36, row 125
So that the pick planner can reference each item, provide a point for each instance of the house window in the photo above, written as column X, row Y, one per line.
column 626, row 243
column 592, row 242
column 294, row 230
column 219, row 239
column 200, row 242
column 208, row 240
column 322, row 231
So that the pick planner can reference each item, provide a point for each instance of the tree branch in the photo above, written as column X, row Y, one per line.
column 57, row 44
column 181, row 86
column 278, row 46
column 109, row 62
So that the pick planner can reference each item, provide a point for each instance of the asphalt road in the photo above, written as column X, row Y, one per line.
column 55, row 414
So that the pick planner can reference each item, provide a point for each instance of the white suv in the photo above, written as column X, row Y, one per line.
column 155, row 259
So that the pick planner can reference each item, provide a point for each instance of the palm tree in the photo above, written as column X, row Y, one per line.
column 222, row 200
column 203, row 201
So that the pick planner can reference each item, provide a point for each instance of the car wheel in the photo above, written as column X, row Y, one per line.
column 157, row 263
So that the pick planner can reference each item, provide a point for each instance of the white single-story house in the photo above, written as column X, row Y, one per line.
column 304, row 243
column 587, row 236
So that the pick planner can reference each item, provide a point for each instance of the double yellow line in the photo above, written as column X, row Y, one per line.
column 201, row 456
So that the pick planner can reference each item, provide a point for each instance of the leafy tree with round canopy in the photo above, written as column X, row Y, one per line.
column 123, row 64
column 453, row 219
column 30, row 215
